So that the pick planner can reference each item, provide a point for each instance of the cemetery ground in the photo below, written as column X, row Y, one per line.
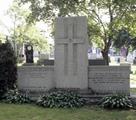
column 31, row 112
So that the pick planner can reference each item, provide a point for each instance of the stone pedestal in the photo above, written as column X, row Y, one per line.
column 71, row 61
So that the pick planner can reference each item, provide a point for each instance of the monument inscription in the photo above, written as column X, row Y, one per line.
column 109, row 79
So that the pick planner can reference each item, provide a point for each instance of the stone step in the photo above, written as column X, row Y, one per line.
column 90, row 99
column 87, row 95
column 92, row 96
column 93, row 100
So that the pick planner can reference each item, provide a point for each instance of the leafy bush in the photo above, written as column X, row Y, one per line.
column 116, row 101
column 61, row 99
column 8, row 68
column 13, row 96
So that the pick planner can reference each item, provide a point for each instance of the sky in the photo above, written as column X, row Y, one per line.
column 5, row 21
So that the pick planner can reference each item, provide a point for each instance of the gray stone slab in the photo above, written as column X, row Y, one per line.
column 35, row 78
column 97, row 62
column 109, row 79
column 71, row 63
column 48, row 62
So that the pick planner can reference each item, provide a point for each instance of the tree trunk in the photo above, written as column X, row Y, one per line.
column 105, row 56
column 105, row 50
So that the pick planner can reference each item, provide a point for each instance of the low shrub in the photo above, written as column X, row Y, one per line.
column 116, row 102
column 61, row 99
column 13, row 96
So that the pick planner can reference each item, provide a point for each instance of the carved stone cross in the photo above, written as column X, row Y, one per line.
column 68, row 43
column 70, row 49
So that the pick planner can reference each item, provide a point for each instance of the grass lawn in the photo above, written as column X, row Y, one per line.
column 30, row 112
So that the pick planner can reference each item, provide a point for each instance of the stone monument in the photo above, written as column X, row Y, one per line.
column 71, row 45
column 29, row 53
column 71, row 69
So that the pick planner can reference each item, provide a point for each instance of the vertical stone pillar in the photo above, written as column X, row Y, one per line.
column 71, row 61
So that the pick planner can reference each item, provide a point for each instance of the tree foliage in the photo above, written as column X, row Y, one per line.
column 133, row 42
column 48, row 9
column 23, row 31
column 2, row 38
column 29, row 33
column 123, row 38
column 105, row 17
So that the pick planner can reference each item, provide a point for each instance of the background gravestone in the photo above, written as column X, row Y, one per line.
column 29, row 53
column 71, row 61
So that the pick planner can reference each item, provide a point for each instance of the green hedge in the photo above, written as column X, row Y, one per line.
column 8, row 68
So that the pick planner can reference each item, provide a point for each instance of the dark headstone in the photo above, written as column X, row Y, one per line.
column 97, row 62
column 118, row 60
column 29, row 53
column 134, row 61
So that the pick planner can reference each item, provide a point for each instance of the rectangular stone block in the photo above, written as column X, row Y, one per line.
column 36, row 78
column 109, row 79
column 97, row 62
